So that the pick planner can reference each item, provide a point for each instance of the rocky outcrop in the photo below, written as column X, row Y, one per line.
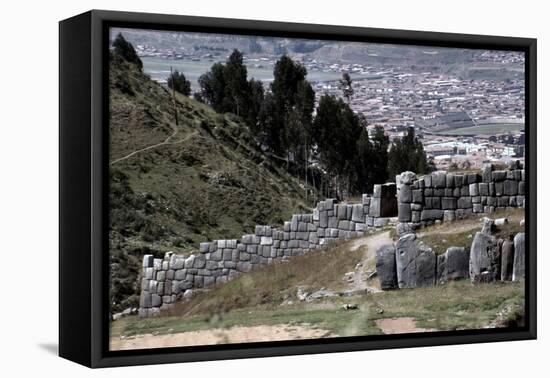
column 453, row 264
column 386, row 268
column 415, row 262
column 518, row 272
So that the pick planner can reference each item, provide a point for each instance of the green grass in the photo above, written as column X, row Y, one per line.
column 460, row 233
column 456, row 305
column 278, row 282
column 488, row 129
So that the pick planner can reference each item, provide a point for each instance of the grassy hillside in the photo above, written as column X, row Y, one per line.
column 175, row 185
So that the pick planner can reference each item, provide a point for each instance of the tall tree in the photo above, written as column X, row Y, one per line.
column 379, row 161
column 346, row 86
column 407, row 154
column 179, row 83
column 126, row 50
column 226, row 89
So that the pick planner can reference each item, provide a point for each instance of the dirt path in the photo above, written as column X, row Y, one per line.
column 372, row 242
column 218, row 336
column 165, row 142
column 392, row 326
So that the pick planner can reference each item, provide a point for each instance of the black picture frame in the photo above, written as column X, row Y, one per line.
column 83, row 140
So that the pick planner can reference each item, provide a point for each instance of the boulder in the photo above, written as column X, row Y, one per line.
column 415, row 263
column 453, row 264
column 518, row 271
column 406, row 178
column 507, row 260
column 403, row 228
column 484, row 256
column 386, row 267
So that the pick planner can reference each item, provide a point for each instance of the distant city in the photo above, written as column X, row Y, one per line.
column 467, row 106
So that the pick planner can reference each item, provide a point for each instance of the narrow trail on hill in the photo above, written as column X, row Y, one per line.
column 167, row 141
column 372, row 242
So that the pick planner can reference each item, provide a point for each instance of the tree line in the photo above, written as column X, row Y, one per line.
column 328, row 145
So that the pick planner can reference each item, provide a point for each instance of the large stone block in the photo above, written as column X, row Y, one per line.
column 358, row 214
column 464, row 203
column 450, row 181
column 199, row 262
column 448, row 203
column 453, row 264
column 404, row 212
column 148, row 261
column 459, row 181
column 417, row 196
column 518, row 272
column 341, row 211
column 439, row 179
column 386, row 267
column 473, row 189
column 428, row 215
column 484, row 258
column 404, row 195
column 507, row 260
column 415, row 262
column 449, row 215
column 486, row 173
column 510, row 188
column 499, row 175
column 483, row 189
column 472, row 178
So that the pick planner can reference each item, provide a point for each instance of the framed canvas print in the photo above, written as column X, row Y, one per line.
column 234, row 188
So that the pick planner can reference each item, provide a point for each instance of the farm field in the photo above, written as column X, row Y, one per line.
column 488, row 129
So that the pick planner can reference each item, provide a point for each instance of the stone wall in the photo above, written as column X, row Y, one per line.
column 165, row 281
column 443, row 196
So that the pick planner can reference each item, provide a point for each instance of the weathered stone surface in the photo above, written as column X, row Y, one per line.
column 415, row 262
column 449, row 215
column 404, row 228
column 404, row 210
column 357, row 214
column 518, row 271
column 486, row 173
column 464, row 203
column 431, row 214
column 484, row 258
column 510, row 188
column 417, row 196
column 439, row 179
column 404, row 195
column 453, row 264
column 199, row 262
column 507, row 260
column 386, row 267
column 474, row 189
column 406, row 178
column 448, row 203
column 472, row 177
column 499, row 175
